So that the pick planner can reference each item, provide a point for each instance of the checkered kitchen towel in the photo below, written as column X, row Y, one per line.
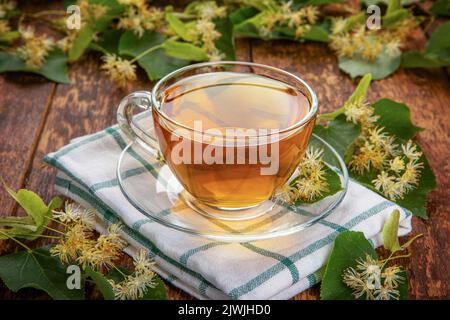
column 271, row 269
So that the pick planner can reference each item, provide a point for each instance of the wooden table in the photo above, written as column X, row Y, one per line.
column 37, row 117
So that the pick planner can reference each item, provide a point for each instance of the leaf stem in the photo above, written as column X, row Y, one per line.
column 144, row 53
column 123, row 274
column 151, row 49
column 54, row 230
column 58, row 221
column 47, row 12
column 49, row 237
column 17, row 241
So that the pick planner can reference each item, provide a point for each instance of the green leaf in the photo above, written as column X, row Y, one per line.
column 395, row 117
column 415, row 59
column 9, row 36
column 81, row 43
column 436, row 53
column 390, row 232
column 184, row 50
column 156, row 63
column 108, row 42
column 240, row 15
column 380, row 68
column 391, row 19
column 102, row 283
column 115, row 9
column 317, row 33
column 179, row 27
column 54, row 68
column 339, row 133
column 37, row 269
column 438, row 46
column 441, row 8
column 360, row 91
column 225, row 44
column 29, row 227
column 348, row 247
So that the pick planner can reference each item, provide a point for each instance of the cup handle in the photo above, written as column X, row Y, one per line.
column 142, row 100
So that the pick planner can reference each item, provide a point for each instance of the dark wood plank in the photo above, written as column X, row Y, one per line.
column 427, row 93
column 24, row 102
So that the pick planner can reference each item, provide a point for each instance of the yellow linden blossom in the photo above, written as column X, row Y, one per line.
column 369, row 44
column 135, row 286
column 6, row 6
column 35, row 48
column 300, row 20
column 311, row 182
column 360, row 112
column 206, row 34
column 138, row 17
column 209, row 10
column 367, row 280
column 120, row 70
column 4, row 27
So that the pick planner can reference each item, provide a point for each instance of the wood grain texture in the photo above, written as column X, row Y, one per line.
column 54, row 114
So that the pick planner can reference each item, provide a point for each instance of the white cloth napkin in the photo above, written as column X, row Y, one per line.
column 278, row 268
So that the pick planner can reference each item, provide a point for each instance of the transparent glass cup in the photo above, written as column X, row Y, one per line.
column 240, row 189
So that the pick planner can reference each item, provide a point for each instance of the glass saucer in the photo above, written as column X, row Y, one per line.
column 154, row 191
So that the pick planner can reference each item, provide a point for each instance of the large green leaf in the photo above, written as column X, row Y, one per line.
column 436, row 53
column 380, row 68
column 38, row 216
column 348, row 247
column 441, row 7
column 340, row 134
column 108, row 43
column 184, row 50
column 37, row 269
column 179, row 27
column 416, row 59
column 81, row 43
column 395, row 117
column 225, row 44
column 101, row 282
column 242, row 14
column 438, row 46
column 156, row 63
column 54, row 68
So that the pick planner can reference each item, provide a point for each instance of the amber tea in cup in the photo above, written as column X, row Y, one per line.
column 231, row 132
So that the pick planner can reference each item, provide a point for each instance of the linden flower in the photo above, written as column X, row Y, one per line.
column 74, row 213
column 120, row 70
column 386, row 293
column 106, row 249
column 311, row 182
column 35, row 49
column 397, row 164
column 6, row 6
column 410, row 151
column 338, row 25
column 355, row 281
column 367, row 280
column 393, row 48
column 139, row 17
column 4, row 27
column 383, row 181
column 210, row 10
column 76, row 240
column 135, row 286
column 206, row 34
column 392, row 276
